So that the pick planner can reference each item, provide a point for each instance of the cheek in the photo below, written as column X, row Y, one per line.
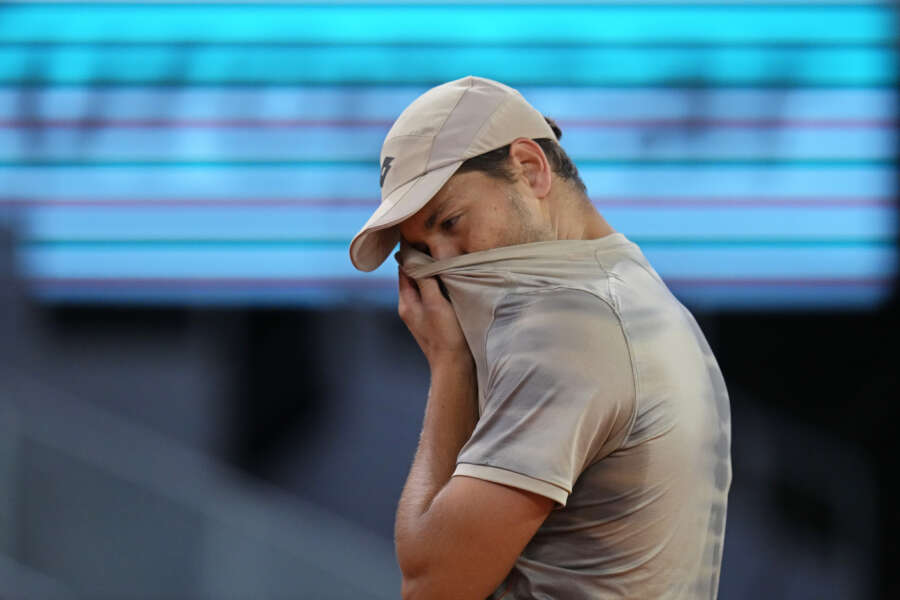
column 486, row 235
column 489, row 228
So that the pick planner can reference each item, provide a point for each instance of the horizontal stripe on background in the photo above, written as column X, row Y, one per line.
column 659, row 44
column 360, row 23
column 649, row 144
column 163, row 244
column 859, row 294
column 363, row 282
column 814, row 261
column 329, row 163
column 540, row 66
column 90, row 123
column 774, row 296
column 730, row 202
column 360, row 182
column 383, row 104
column 695, row 85
column 320, row 225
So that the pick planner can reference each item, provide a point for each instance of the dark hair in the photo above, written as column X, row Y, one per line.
column 494, row 162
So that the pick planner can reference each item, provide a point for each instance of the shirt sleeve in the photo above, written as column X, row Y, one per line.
column 559, row 394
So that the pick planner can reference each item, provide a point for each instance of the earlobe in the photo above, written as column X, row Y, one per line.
column 541, row 184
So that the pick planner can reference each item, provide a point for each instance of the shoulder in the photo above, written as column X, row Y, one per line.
column 554, row 312
column 556, row 330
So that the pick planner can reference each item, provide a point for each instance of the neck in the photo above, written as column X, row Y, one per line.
column 574, row 217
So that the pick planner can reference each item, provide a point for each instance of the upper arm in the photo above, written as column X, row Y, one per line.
column 482, row 527
column 560, row 392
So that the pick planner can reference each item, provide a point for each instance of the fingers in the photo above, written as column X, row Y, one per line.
column 408, row 287
column 430, row 290
column 407, row 293
column 412, row 293
column 429, row 316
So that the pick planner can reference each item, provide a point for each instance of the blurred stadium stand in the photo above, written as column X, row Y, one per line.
column 96, row 506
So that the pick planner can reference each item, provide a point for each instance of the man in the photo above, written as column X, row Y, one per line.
column 576, row 436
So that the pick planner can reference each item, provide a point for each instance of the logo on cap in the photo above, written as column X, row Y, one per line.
column 385, row 167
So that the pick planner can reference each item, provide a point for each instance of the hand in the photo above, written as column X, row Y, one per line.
column 431, row 320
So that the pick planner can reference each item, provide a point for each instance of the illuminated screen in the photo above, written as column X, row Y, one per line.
column 227, row 153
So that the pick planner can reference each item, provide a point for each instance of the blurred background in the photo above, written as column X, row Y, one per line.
column 200, row 397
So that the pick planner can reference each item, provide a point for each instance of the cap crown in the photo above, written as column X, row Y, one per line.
column 452, row 122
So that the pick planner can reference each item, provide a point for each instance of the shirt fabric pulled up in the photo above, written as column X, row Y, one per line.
column 596, row 389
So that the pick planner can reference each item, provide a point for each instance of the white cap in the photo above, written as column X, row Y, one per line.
column 441, row 129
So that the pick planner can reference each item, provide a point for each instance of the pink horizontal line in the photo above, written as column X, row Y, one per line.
column 738, row 123
column 383, row 123
column 191, row 202
column 188, row 123
column 775, row 282
column 742, row 202
column 735, row 202
column 345, row 282
column 379, row 282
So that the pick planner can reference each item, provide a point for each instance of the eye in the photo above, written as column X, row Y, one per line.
column 448, row 224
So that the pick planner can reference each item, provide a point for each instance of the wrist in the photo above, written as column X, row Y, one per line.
column 452, row 362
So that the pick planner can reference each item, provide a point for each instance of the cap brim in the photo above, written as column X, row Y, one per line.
column 374, row 242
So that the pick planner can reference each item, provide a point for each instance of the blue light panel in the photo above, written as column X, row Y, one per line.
column 177, row 153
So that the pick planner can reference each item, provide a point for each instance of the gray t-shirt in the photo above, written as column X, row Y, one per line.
column 597, row 389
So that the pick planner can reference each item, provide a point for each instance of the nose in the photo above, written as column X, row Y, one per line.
column 442, row 249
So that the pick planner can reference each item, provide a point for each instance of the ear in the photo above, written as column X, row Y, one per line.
column 530, row 161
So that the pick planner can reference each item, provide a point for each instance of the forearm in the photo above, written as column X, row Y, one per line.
column 450, row 415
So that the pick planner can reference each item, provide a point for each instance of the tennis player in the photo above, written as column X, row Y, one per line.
column 576, row 438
